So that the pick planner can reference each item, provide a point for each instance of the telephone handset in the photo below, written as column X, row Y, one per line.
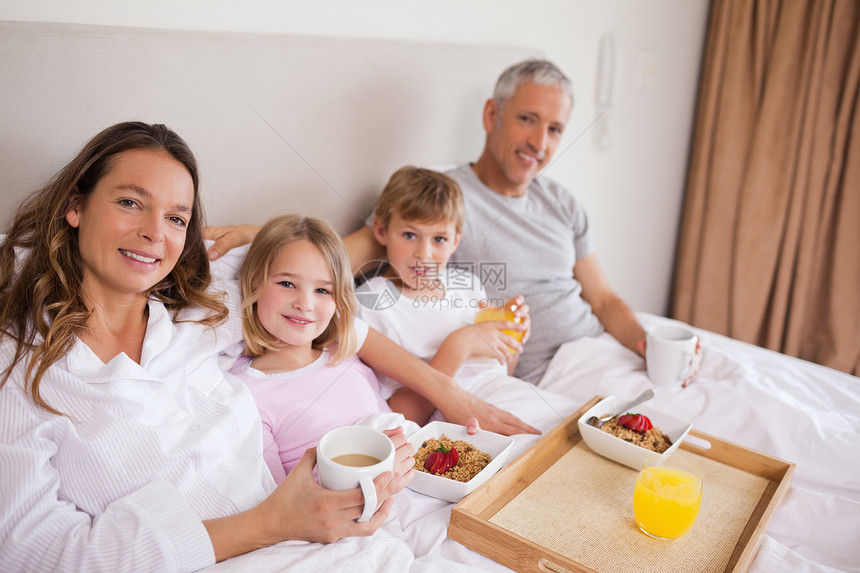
column 604, row 95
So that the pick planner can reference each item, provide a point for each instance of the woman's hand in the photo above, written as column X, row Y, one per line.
column 325, row 515
column 403, row 460
column 228, row 237
column 301, row 509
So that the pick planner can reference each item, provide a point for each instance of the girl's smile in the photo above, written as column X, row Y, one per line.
column 298, row 322
column 296, row 304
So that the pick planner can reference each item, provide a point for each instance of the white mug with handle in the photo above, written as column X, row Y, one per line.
column 351, row 456
column 673, row 355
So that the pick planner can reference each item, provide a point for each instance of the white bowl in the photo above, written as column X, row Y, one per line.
column 625, row 453
column 496, row 445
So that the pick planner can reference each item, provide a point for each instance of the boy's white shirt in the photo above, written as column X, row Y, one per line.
column 420, row 325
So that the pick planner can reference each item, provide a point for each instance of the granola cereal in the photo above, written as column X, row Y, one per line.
column 654, row 439
column 471, row 460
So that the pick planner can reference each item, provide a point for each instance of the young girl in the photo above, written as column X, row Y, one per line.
column 301, row 340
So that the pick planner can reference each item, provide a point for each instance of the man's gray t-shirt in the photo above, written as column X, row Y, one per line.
column 528, row 245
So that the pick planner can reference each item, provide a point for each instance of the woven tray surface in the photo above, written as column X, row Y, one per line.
column 582, row 507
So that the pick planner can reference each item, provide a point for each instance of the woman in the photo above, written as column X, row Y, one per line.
column 122, row 444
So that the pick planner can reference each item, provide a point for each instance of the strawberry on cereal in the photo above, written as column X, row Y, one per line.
column 453, row 459
column 638, row 430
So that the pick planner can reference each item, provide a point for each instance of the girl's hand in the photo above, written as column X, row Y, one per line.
column 462, row 407
column 472, row 426
column 457, row 405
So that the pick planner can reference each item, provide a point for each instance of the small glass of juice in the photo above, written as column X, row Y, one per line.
column 667, row 496
column 490, row 314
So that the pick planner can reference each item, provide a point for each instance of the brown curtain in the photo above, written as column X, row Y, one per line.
column 769, row 249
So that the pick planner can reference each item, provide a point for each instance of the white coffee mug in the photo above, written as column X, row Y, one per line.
column 673, row 355
column 352, row 456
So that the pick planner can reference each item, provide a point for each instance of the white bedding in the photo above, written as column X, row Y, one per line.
column 787, row 408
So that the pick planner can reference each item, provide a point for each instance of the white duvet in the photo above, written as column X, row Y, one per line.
column 787, row 408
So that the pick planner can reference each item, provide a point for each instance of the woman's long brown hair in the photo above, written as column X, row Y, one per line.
column 41, row 304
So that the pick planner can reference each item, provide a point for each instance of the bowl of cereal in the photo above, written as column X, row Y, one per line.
column 478, row 457
column 628, row 440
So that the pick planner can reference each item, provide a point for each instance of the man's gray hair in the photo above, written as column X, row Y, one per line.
column 541, row 72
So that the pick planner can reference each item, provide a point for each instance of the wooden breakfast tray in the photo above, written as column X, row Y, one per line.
column 560, row 507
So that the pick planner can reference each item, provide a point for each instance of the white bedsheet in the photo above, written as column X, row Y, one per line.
column 784, row 407
column 787, row 408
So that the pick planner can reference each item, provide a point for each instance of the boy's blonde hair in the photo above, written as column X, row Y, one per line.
column 422, row 195
column 275, row 235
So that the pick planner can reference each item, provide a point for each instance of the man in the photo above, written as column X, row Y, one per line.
column 524, row 232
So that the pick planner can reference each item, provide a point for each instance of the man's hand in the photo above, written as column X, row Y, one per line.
column 228, row 237
column 363, row 248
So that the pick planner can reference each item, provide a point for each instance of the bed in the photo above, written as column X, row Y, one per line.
column 781, row 406
column 62, row 83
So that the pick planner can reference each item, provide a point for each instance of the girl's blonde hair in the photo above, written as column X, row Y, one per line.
column 275, row 235
column 41, row 301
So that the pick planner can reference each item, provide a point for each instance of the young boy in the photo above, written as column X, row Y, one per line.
column 424, row 305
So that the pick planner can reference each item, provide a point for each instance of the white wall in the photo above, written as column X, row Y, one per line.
column 632, row 190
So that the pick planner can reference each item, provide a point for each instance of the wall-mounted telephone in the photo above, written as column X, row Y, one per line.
column 606, row 71
column 604, row 95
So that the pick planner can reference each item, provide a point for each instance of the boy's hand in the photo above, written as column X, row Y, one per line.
column 522, row 320
column 521, row 311
column 487, row 340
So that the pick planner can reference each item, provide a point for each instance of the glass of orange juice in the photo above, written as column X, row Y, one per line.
column 667, row 496
column 490, row 314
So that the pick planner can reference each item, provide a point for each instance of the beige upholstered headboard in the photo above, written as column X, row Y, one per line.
column 279, row 123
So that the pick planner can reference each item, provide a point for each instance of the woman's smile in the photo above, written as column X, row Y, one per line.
column 139, row 257
column 132, row 225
